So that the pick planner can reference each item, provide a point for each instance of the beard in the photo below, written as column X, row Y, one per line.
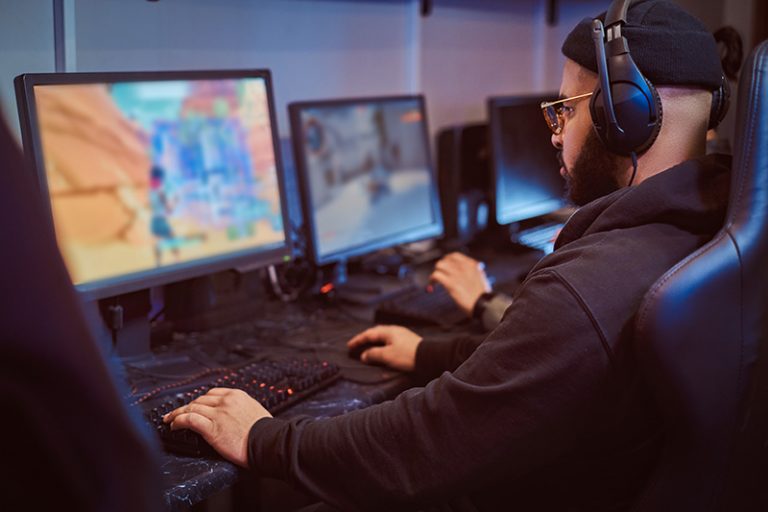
column 597, row 172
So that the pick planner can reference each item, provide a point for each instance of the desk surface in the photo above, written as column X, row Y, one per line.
column 191, row 480
column 312, row 329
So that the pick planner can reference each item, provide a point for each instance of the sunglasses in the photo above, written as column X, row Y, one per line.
column 555, row 112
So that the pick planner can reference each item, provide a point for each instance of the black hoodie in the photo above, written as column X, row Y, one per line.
column 549, row 412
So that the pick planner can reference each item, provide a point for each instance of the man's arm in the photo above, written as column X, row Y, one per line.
column 463, row 278
column 465, row 281
column 522, row 398
column 404, row 350
column 435, row 356
column 490, row 308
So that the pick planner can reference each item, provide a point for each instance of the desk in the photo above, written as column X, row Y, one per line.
column 315, row 327
column 189, row 481
column 310, row 326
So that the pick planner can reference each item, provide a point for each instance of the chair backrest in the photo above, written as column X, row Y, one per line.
column 702, row 340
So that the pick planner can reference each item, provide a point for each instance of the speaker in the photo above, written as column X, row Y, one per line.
column 464, row 180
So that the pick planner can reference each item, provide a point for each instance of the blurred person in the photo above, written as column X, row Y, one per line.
column 69, row 443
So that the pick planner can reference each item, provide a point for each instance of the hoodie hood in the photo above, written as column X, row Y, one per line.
column 692, row 196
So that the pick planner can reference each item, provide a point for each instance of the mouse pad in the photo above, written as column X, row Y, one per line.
column 355, row 371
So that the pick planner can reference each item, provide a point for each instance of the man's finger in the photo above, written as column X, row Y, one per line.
column 359, row 338
column 376, row 333
column 192, row 407
column 211, row 400
column 451, row 257
column 219, row 392
column 443, row 278
column 444, row 266
column 194, row 422
column 172, row 415
column 374, row 355
column 437, row 274
column 461, row 257
column 456, row 257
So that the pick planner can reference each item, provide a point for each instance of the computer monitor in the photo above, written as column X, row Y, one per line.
column 365, row 174
column 156, row 177
column 526, row 172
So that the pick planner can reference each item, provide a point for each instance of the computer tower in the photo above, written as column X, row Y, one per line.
column 463, row 169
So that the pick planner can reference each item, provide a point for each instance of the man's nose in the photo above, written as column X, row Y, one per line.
column 557, row 140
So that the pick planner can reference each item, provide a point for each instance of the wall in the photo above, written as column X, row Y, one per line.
column 715, row 14
column 491, row 48
column 468, row 54
column 461, row 54
column 26, row 45
column 314, row 49
column 458, row 56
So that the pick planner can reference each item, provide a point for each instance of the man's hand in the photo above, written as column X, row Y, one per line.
column 397, row 350
column 463, row 278
column 223, row 417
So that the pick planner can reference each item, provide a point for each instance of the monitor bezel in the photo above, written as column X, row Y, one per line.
column 433, row 230
column 505, row 216
column 117, row 285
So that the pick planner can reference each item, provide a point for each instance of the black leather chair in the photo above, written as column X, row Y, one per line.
column 703, row 340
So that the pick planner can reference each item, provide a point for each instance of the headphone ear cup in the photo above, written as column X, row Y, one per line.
column 659, row 117
column 634, row 122
column 721, row 100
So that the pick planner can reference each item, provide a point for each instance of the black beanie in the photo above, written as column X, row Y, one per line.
column 669, row 45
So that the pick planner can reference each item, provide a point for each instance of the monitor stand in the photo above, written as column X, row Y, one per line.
column 124, row 325
column 375, row 281
column 213, row 301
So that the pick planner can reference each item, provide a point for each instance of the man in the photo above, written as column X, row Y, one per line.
column 549, row 412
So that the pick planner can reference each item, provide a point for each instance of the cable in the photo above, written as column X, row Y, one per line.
column 189, row 380
column 277, row 288
column 634, row 168
column 157, row 315
column 116, row 321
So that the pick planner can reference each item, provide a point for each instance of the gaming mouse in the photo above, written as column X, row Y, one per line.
column 356, row 351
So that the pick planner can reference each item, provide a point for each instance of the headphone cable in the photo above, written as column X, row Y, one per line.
column 634, row 168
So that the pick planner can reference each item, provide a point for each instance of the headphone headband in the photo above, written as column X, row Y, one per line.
column 617, row 13
column 625, row 107
column 598, row 37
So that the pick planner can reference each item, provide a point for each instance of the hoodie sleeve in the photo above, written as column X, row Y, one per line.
column 494, row 311
column 521, row 399
column 434, row 356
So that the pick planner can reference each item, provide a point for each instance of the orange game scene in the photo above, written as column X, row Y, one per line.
column 144, row 175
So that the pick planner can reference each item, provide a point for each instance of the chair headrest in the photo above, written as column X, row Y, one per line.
column 748, row 207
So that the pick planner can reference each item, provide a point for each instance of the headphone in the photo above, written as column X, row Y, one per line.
column 625, row 106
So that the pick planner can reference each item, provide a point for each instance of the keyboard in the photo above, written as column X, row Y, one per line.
column 421, row 307
column 541, row 237
column 276, row 384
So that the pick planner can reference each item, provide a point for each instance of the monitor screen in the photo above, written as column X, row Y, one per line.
column 366, row 175
column 525, row 166
column 156, row 177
